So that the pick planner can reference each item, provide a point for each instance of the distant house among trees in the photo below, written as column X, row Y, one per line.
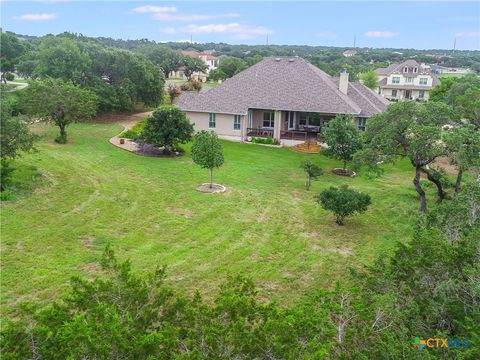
column 210, row 60
column 349, row 53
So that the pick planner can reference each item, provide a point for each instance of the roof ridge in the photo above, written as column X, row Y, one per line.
column 363, row 96
column 330, row 83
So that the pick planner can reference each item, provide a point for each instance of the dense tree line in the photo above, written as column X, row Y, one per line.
column 328, row 58
column 119, row 78
column 427, row 289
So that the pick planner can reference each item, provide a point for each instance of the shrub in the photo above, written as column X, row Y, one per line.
column 9, row 76
column 343, row 202
column 191, row 85
column 167, row 127
column 268, row 140
column 135, row 132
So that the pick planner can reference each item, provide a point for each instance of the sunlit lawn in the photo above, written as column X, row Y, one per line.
column 266, row 225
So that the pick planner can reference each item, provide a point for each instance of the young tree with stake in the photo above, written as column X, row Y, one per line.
column 313, row 172
column 207, row 152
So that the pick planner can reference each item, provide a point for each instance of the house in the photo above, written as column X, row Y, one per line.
column 207, row 57
column 349, row 53
column 406, row 81
column 282, row 98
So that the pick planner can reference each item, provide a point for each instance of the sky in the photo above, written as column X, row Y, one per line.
column 406, row 24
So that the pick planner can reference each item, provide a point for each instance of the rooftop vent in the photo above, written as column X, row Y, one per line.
column 291, row 60
column 277, row 59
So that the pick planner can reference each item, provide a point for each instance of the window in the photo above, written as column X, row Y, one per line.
column 291, row 120
column 394, row 93
column 314, row 119
column 423, row 81
column 362, row 124
column 415, row 70
column 405, row 69
column 211, row 121
column 396, row 80
column 421, row 94
column 303, row 118
column 409, row 80
column 268, row 119
column 236, row 122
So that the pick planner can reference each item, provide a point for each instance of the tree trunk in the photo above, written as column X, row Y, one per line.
column 345, row 165
column 441, row 194
column 339, row 219
column 211, row 178
column 62, row 139
column 418, row 187
column 308, row 182
column 459, row 181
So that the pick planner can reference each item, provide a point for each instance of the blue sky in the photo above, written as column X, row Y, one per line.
column 407, row 24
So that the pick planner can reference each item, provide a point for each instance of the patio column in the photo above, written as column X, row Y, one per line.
column 277, row 125
column 243, row 127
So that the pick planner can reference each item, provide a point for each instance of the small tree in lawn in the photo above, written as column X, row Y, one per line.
column 173, row 92
column 207, row 152
column 313, row 172
column 342, row 138
column 167, row 127
column 343, row 202
column 59, row 102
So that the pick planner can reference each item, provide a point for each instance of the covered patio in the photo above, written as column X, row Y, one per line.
column 291, row 125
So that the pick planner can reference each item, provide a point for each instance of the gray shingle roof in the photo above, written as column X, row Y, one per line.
column 398, row 68
column 279, row 84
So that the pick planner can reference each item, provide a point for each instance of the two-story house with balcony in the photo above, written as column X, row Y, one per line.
column 406, row 81
column 207, row 57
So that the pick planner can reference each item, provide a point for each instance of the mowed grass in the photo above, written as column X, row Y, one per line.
column 265, row 226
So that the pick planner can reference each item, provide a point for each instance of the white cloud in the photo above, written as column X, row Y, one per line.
column 468, row 34
column 170, row 13
column 36, row 17
column 380, row 34
column 150, row 9
column 327, row 34
column 191, row 17
column 168, row 30
column 236, row 30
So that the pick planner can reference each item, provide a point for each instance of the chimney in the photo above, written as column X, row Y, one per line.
column 343, row 83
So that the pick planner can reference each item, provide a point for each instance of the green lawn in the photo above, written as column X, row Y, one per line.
column 266, row 225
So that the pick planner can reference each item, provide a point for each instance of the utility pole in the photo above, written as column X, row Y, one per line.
column 191, row 39
column 267, row 40
column 354, row 41
column 454, row 44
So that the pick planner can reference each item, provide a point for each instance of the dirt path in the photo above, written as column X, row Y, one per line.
column 127, row 121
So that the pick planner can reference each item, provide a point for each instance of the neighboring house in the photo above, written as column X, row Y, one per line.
column 284, row 98
column 406, row 81
column 210, row 60
column 349, row 53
